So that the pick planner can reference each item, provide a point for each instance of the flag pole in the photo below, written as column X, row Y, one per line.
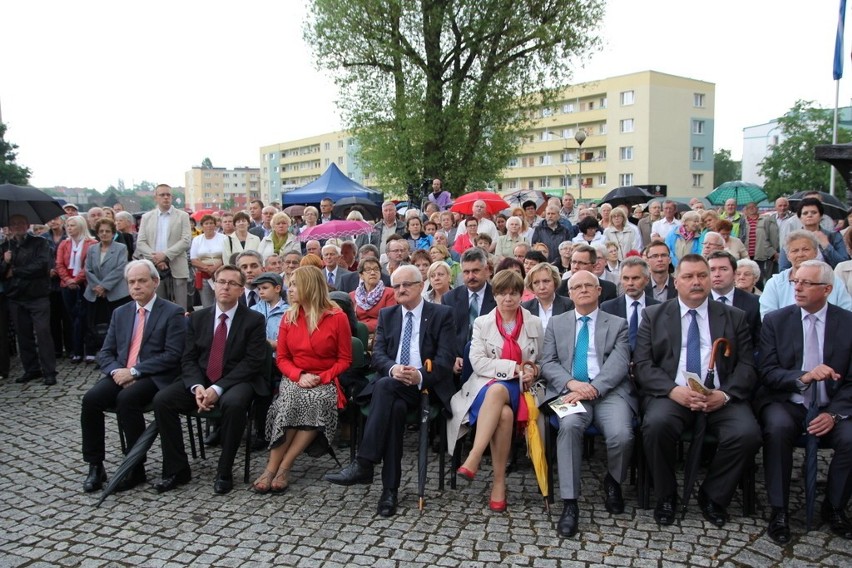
column 834, row 131
column 837, row 73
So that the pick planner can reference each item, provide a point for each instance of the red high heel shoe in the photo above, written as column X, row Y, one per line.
column 466, row 473
column 497, row 506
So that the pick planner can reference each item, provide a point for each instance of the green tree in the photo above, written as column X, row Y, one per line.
column 725, row 169
column 790, row 165
column 10, row 172
column 206, row 163
column 444, row 87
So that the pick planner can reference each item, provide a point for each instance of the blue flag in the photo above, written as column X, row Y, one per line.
column 838, row 43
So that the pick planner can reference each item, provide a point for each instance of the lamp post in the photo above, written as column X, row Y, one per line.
column 580, row 137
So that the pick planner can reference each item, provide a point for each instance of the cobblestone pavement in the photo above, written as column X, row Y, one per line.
column 46, row 519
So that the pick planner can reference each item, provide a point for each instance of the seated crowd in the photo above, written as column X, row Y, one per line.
column 608, row 310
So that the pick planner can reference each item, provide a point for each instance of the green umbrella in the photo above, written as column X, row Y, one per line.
column 742, row 191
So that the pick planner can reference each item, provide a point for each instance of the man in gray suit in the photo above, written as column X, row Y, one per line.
column 589, row 362
column 164, row 237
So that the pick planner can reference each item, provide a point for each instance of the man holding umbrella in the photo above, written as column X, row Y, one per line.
column 675, row 337
column 806, row 352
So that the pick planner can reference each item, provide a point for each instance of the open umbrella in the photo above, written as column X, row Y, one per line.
column 197, row 215
column 743, row 191
column 133, row 458
column 628, row 195
column 32, row 203
column 521, row 196
column 366, row 207
column 336, row 230
column 294, row 210
column 693, row 458
column 833, row 206
column 493, row 202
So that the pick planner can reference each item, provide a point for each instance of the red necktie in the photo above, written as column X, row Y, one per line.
column 136, row 340
column 217, row 350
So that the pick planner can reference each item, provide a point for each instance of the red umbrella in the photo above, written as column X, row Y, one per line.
column 493, row 202
column 201, row 213
column 336, row 229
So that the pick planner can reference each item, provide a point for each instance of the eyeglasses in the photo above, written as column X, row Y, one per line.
column 395, row 250
column 807, row 283
column 581, row 263
column 657, row 256
column 583, row 286
column 370, row 270
column 404, row 285
column 228, row 284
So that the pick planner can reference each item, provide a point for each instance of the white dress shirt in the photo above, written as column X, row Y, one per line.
column 820, row 330
column 592, row 356
column 706, row 342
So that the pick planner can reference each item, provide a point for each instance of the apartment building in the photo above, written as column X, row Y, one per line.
column 221, row 188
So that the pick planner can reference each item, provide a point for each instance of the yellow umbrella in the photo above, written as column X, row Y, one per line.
column 535, row 446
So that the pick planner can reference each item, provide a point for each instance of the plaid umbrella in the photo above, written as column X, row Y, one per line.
column 744, row 192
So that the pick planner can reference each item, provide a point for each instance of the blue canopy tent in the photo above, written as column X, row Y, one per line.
column 333, row 184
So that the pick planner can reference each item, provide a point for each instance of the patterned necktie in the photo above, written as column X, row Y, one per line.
column 217, row 350
column 405, row 352
column 811, row 358
column 580, row 368
column 634, row 325
column 693, row 346
column 136, row 341
column 723, row 299
column 330, row 278
column 473, row 313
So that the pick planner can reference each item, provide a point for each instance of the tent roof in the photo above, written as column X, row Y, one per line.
column 333, row 184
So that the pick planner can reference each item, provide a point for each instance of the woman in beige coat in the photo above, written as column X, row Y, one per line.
column 502, row 341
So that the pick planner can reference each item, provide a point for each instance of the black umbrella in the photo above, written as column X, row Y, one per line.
column 693, row 458
column 366, row 207
column 628, row 195
column 833, row 206
column 811, row 451
column 32, row 203
column 422, row 457
column 133, row 458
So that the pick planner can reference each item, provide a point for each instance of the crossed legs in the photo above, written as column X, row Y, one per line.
column 494, row 426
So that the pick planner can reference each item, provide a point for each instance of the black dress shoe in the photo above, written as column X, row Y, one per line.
column 27, row 378
column 223, row 484
column 779, row 526
column 664, row 513
column 170, row 482
column 613, row 500
column 570, row 519
column 713, row 512
column 837, row 521
column 76, row 359
column 212, row 439
column 352, row 474
column 95, row 479
column 50, row 380
column 136, row 477
column 387, row 503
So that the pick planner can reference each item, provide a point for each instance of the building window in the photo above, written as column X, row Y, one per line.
column 565, row 158
column 544, row 160
column 626, row 98
column 568, row 108
column 327, row 146
column 625, row 153
column 340, row 143
column 568, row 133
column 602, row 179
column 602, row 128
column 340, row 160
column 698, row 127
column 627, row 125
column 530, row 184
column 697, row 154
column 698, row 100
column 546, row 136
column 697, row 180
column 602, row 102
column 625, row 179
column 590, row 105
column 544, row 182
column 327, row 162
column 545, row 112
column 513, row 184
column 513, row 163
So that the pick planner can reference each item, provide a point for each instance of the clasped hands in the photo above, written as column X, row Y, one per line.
column 696, row 401
column 123, row 378
column 205, row 398
column 580, row 390
column 308, row 380
column 406, row 374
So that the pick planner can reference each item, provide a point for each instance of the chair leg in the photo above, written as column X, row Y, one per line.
column 200, row 438
column 550, row 458
column 249, row 428
column 442, row 458
column 122, row 440
column 189, row 430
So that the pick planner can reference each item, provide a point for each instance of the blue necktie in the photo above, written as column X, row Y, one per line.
column 330, row 278
column 581, row 352
column 723, row 299
column 693, row 346
column 634, row 325
column 473, row 313
column 405, row 352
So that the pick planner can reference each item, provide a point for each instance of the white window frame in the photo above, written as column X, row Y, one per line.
column 626, row 125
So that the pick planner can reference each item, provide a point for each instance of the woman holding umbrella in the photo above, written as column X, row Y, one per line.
column 502, row 341
column 71, row 269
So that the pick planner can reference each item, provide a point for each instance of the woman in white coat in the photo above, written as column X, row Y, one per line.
column 502, row 341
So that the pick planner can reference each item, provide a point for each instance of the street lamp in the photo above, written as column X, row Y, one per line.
column 580, row 137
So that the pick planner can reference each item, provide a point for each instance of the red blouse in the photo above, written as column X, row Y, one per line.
column 370, row 317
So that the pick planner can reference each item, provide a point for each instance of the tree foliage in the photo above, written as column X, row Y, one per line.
column 11, row 172
column 790, row 165
column 725, row 168
column 206, row 163
column 441, row 87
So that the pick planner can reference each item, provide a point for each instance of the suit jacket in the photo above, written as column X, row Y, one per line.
column 109, row 273
column 436, row 344
column 658, row 347
column 608, row 290
column 561, row 304
column 670, row 290
column 457, row 299
column 162, row 342
column 258, row 231
column 180, row 238
column 781, row 345
column 348, row 281
column 612, row 350
column 245, row 350
column 618, row 307
column 750, row 304
column 486, row 349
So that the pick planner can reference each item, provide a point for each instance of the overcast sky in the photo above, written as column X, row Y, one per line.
column 97, row 91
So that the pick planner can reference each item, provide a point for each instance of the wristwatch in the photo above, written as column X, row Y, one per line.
column 134, row 373
column 727, row 398
column 836, row 417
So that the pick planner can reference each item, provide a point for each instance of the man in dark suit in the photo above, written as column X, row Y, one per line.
column 795, row 371
column 635, row 276
column 470, row 301
column 222, row 367
column 676, row 337
column 262, row 229
column 659, row 259
column 407, row 335
column 723, row 272
column 326, row 211
column 140, row 355
column 332, row 271
column 585, row 257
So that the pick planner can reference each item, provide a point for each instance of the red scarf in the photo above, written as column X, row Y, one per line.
column 512, row 351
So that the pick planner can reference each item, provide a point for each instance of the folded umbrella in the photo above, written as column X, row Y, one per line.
column 133, row 458
column 423, row 441
column 32, row 203
column 535, row 445
column 811, row 451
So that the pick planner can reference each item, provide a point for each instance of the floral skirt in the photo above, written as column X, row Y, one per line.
column 304, row 409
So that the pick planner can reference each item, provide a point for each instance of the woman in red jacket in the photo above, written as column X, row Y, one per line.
column 371, row 295
column 314, row 348
column 71, row 270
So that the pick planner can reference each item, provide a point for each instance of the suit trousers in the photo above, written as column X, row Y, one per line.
column 733, row 425
column 175, row 400
column 32, row 324
column 129, row 404
column 611, row 415
column 5, row 350
column 60, row 324
column 78, row 310
column 174, row 290
column 385, row 427
column 783, row 424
